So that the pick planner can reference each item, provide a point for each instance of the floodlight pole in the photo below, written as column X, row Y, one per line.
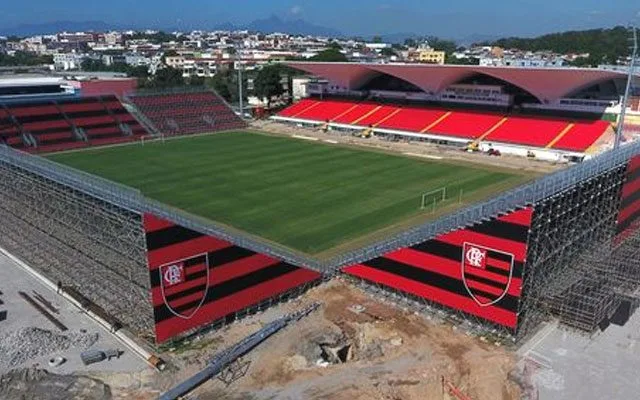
column 625, row 99
column 240, row 89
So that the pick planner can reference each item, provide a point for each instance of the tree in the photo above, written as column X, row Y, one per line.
column 268, row 83
column 329, row 55
column 377, row 39
column 92, row 65
column 388, row 52
column 157, row 38
column 593, row 60
column 462, row 61
column 607, row 44
column 335, row 45
column 141, row 71
column 24, row 58
column 96, row 65
column 221, row 83
column 448, row 46
column 409, row 42
column 167, row 77
column 195, row 81
column 225, row 83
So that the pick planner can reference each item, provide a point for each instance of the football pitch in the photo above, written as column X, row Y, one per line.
column 308, row 196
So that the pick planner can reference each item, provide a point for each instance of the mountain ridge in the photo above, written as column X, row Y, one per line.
column 270, row 24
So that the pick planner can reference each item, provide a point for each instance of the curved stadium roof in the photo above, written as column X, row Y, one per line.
column 546, row 84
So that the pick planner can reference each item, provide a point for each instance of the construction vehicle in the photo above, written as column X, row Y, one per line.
column 473, row 147
column 366, row 134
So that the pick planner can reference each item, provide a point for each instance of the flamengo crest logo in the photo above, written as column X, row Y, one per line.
column 173, row 274
column 184, row 285
column 475, row 256
column 486, row 273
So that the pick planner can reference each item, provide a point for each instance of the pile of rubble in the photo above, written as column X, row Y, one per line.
column 23, row 345
column 38, row 384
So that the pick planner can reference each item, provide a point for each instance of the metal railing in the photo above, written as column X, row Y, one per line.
column 104, row 189
column 526, row 195
column 133, row 200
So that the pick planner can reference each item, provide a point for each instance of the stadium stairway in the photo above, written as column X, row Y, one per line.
column 525, row 131
column 67, row 124
column 187, row 112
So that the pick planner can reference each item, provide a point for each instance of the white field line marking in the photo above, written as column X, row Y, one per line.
column 332, row 141
column 306, row 138
column 424, row 156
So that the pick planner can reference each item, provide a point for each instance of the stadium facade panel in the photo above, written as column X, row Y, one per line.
column 630, row 206
column 198, row 279
column 477, row 270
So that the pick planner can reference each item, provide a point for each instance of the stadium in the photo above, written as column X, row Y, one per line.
column 166, row 213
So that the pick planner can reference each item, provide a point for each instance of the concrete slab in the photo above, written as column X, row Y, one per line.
column 570, row 366
column 21, row 314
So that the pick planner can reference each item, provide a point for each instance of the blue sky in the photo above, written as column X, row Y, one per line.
column 452, row 18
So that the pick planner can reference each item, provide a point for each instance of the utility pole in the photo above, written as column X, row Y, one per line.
column 625, row 99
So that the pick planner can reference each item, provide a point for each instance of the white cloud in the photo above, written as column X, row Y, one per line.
column 295, row 10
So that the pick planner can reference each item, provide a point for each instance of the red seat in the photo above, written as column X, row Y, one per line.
column 355, row 113
column 466, row 124
column 188, row 113
column 582, row 136
column 46, row 122
column 412, row 119
column 538, row 132
column 326, row 110
column 296, row 108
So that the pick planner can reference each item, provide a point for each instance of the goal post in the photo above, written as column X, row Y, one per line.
column 432, row 198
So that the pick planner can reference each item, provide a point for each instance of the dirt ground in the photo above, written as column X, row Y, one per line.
column 392, row 354
column 414, row 147
column 353, row 347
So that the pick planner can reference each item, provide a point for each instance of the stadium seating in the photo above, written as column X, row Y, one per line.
column 413, row 119
column 297, row 108
column 184, row 113
column 535, row 132
column 527, row 131
column 9, row 131
column 583, row 136
column 465, row 124
column 67, row 124
column 355, row 113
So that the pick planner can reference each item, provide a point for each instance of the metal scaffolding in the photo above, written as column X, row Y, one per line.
column 573, row 271
column 79, row 240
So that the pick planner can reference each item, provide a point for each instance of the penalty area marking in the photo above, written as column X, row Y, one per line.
column 423, row 156
column 306, row 138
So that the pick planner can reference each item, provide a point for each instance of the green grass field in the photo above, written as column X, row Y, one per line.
column 307, row 196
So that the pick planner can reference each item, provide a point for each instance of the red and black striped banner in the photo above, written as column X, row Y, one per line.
column 629, row 216
column 197, row 279
column 477, row 270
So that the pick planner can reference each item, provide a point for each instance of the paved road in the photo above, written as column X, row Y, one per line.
column 21, row 314
column 603, row 367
